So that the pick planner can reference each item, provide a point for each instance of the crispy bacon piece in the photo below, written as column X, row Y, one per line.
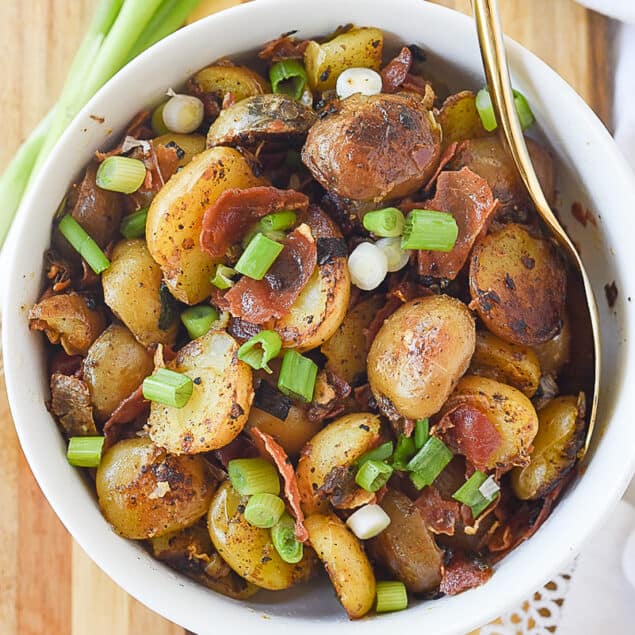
column 240, row 448
column 64, row 364
column 285, row 467
column 71, row 405
column 342, row 490
column 467, row 430
column 463, row 573
column 469, row 199
column 446, row 157
column 129, row 410
column 394, row 74
column 234, row 211
column 258, row 301
column 439, row 514
column 330, row 393
column 283, row 48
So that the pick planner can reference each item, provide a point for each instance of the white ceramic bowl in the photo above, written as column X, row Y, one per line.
column 591, row 171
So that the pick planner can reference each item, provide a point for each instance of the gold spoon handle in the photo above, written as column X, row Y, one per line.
column 490, row 35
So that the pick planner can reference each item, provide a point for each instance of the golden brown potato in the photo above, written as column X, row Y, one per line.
column 560, row 437
column 345, row 351
column 419, row 354
column 115, row 366
column 131, row 290
column 513, row 424
column 345, row 562
column 518, row 285
column 67, row 320
column 374, row 147
column 219, row 406
column 359, row 47
column 459, row 118
column 510, row 364
column 175, row 218
column 190, row 144
column 339, row 444
column 554, row 354
column 144, row 492
column 247, row 549
column 220, row 79
column 261, row 118
column 406, row 548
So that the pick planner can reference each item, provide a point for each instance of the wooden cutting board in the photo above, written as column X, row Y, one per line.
column 47, row 584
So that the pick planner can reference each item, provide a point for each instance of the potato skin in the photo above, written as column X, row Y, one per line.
column 510, row 364
column 131, row 289
column 374, row 147
column 175, row 218
column 248, row 550
column 130, row 497
column 556, row 445
column 345, row 562
column 219, row 80
column 459, row 118
column 340, row 443
column 219, row 406
column 419, row 354
column 115, row 366
column 518, row 285
column 406, row 547
column 191, row 144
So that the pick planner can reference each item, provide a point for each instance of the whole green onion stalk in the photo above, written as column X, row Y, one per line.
column 118, row 32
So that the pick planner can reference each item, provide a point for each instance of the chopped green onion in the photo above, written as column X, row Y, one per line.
column 222, row 278
column 485, row 110
column 253, row 476
column 264, row 510
column 368, row 521
column 429, row 462
column 257, row 228
column 404, row 451
column 260, row 254
column 297, row 376
column 157, row 123
column 168, row 387
column 373, row 475
column 259, row 350
column 391, row 596
column 83, row 244
column 381, row 453
column 134, row 225
column 470, row 494
column 85, row 451
column 279, row 221
column 288, row 77
column 429, row 229
column 289, row 548
column 198, row 319
column 120, row 174
column 525, row 116
column 422, row 432
column 386, row 223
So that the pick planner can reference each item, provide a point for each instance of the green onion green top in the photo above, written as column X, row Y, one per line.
column 429, row 230
column 469, row 494
column 134, row 225
column 83, row 244
column 297, row 376
column 259, row 255
column 422, row 432
column 198, row 319
column 259, row 350
column 222, row 278
column 288, row 77
column 386, row 223
column 278, row 221
column 120, row 174
column 253, row 476
column 372, row 475
column 404, row 451
column 283, row 537
column 429, row 462
column 380, row 453
column 85, row 451
column 391, row 596
column 264, row 510
column 485, row 110
column 168, row 387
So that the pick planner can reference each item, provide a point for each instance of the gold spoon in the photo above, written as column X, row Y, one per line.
column 490, row 36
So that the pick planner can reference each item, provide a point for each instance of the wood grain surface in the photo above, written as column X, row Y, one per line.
column 47, row 584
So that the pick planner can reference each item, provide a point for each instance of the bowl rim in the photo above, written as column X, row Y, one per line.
column 483, row 604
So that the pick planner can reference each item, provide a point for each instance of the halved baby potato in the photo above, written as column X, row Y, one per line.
column 190, row 144
column 220, row 79
column 459, row 118
column 175, row 218
column 219, row 406
column 247, row 549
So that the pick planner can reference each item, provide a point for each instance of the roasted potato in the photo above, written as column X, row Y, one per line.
column 115, row 366
column 406, row 548
column 67, row 320
column 247, row 549
column 374, row 148
column 145, row 492
column 189, row 144
column 345, row 350
column 511, row 364
column 419, row 354
column 131, row 290
column 560, row 436
column 175, row 218
column 518, row 285
column 340, row 443
column 359, row 47
column 554, row 354
column 512, row 418
column 220, row 79
column 261, row 118
column 459, row 118
column 219, row 406
column 345, row 562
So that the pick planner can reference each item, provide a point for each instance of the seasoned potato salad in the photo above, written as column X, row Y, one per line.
column 303, row 319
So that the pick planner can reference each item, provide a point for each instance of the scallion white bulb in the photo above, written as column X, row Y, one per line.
column 368, row 521
column 368, row 266
column 396, row 257
column 183, row 113
column 358, row 80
